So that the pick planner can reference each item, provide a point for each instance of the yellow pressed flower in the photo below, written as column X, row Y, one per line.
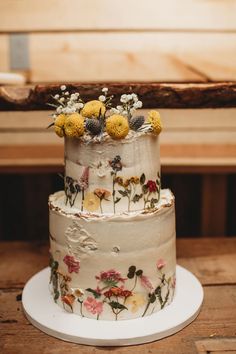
column 135, row 301
column 155, row 120
column 74, row 125
column 92, row 109
column 59, row 125
column 91, row 202
column 77, row 292
column 117, row 126
column 135, row 180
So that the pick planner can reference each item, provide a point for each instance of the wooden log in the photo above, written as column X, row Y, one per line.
column 153, row 95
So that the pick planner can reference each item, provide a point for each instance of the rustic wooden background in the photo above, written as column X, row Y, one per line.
column 145, row 40
column 138, row 41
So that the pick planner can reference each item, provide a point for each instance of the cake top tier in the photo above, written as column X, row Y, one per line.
column 96, row 120
column 112, row 162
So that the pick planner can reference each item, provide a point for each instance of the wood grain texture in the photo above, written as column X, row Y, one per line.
column 153, row 95
column 213, row 330
column 124, row 56
column 216, row 346
column 127, row 56
column 59, row 15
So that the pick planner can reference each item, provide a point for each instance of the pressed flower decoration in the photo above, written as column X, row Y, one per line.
column 75, row 118
column 132, row 292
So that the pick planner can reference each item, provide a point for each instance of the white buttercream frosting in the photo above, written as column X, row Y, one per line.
column 87, row 249
column 92, row 160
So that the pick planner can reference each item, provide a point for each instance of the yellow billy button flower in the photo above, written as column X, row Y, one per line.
column 59, row 125
column 74, row 125
column 155, row 120
column 117, row 126
column 93, row 108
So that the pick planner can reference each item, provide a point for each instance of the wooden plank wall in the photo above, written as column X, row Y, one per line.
column 110, row 40
column 145, row 40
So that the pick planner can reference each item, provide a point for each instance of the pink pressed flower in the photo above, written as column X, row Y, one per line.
column 110, row 276
column 83, row 181
column 146, row 282
column 93, row 306
column 160, row 263
column 72, row 264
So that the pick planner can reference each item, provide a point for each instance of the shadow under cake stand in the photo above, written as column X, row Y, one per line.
column 45, row 314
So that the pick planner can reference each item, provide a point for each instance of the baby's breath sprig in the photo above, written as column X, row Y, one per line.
column 129, row 104
column 67, row 103
column 105, row 99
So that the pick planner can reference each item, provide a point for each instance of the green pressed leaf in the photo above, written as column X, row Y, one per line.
column 132, row 269
column 123, row 193
column 145, row 188
column 154, row 200
column 131, row 272
column 130, row 275
column 142, row 178
column 56, row 295
column 152, row 298
column 94, row 292
column 139, row 272
column 117, row 200
column 137, row 197
column 117, row 305
column 158, row 290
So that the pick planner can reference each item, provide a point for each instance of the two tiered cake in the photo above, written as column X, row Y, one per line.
column 112, row 229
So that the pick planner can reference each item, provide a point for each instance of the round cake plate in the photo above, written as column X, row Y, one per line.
column 45, row 314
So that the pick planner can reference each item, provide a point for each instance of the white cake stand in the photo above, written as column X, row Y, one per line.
column 44, row 314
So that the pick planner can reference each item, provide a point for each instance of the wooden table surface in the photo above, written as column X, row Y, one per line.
column 212, row 260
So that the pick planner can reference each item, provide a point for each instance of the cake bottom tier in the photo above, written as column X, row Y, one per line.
column 113, row 267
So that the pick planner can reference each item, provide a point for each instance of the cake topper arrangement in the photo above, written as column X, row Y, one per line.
column 74, row 118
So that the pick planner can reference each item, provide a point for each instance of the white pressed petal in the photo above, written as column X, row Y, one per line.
column 105, row 89
column 62, row 99
column 56, row 97
column 63, row 87
column 67, row 93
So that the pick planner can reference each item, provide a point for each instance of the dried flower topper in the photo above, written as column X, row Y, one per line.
column 75, row 118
